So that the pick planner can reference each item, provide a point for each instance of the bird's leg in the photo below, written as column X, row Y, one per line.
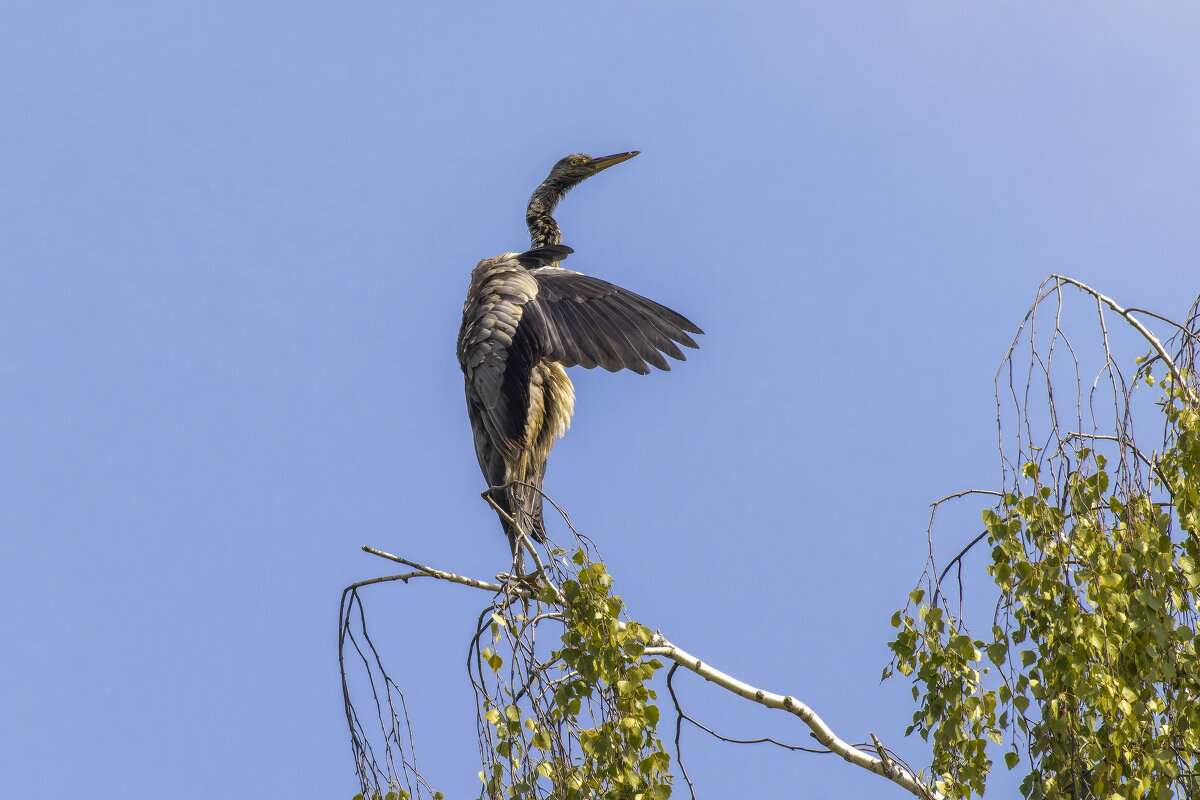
column 525, row 543
column 518, row 565
column 531, row 581
column 520, row 543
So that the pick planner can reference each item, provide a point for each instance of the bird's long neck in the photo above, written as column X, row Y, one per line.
column 543, row 230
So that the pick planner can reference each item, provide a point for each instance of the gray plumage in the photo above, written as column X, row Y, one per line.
column 524, row 320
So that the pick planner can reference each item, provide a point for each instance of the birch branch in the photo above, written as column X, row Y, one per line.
column 424, row 571
column 884, row 765
column 1142, row 329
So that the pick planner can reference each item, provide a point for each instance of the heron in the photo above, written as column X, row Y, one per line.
column 525, row 320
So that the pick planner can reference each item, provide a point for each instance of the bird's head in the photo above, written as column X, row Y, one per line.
column 568, row 172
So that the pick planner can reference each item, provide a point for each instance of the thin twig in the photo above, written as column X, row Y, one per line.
column 731, row 740
column 679, row 715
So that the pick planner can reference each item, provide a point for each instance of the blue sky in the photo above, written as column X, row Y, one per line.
column 235, row 239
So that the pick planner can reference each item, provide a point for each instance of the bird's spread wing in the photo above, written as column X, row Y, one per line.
column 578, row 320
column 520, row 312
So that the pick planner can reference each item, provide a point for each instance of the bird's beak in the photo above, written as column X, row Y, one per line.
column 604, row 162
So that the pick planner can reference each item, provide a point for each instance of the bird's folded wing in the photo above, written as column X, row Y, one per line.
column 495, row 358
column 578, row 320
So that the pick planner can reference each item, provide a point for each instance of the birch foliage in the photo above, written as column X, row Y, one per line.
column 1083, row 674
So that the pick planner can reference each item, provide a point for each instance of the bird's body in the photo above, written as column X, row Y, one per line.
column 524, row 320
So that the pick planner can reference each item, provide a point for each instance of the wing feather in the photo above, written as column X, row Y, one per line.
column 644, row 337
column 496, row 360
column 607, row 325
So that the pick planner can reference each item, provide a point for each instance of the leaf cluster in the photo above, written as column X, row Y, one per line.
column 582, row 723
column 1089, row 673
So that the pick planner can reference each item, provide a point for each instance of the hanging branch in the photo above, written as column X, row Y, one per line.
column 1057, row 439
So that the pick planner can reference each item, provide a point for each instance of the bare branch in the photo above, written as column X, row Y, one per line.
column 821, row 731
column 679, row 715
column 931, row 564
column 437, row 573
column 956, row 560
column 1142, row 329
column 966, row 492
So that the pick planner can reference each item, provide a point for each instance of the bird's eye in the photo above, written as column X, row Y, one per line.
column 575, row 162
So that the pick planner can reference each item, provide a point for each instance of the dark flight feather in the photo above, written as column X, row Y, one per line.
column 607, row 325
